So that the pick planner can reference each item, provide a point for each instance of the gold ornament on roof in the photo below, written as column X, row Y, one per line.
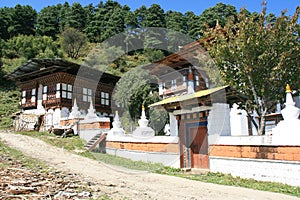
column 288, row 88
column 143, row 107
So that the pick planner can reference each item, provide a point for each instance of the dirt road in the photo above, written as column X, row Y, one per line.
column 120, row 183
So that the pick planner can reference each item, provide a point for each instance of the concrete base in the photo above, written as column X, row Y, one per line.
column 167, row 159
column 143, row 132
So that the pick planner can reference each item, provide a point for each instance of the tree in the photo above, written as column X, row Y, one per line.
column 193, row 25
column 23, row 21
column 48, row 21
column 74, row 43
column 95, row 26
column 155, row 17
column 76, row 17
column 258, row 59
column 220, row 13
column 63, row 15
column 176, row 22
column 5, row 21
column 134, row 90
column 28, row 47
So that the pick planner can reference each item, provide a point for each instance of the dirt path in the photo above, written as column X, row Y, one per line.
column 119, row 183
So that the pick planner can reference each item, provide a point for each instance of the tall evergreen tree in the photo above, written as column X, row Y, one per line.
column 76, row 17
column 95, row 26
column 219, row 13
column 5, row 21
column 140, row 15
column 176, row 23
column 155, row 17
column 193, row 25
column 48, row 21
column 63, row 15
column 23, row 21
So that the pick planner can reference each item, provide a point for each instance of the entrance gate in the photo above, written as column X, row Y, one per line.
column 193, row 141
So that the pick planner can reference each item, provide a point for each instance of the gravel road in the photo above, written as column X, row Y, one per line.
column 120, row 183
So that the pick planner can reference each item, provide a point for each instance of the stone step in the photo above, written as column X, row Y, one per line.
column 91, row 145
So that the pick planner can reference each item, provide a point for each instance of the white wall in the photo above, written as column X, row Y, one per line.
column 167, row 159
column 287, row 172
column 219, row 120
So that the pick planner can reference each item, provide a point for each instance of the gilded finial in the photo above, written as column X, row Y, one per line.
column 288, row 88
column 143, row 107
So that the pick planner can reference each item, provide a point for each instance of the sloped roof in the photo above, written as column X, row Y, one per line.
column 231, row 96
column 39, row 67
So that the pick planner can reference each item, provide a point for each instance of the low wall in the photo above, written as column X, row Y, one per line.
column 167, row 159
column 257, row 157
column 158, row 149
column 287, row 153
column 144, row 146
column 286, row 172
column 87, row 131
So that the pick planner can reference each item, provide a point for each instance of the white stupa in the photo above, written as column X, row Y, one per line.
column 75, row 113
column 117, row 129
column 143, row 130
column 290, row 126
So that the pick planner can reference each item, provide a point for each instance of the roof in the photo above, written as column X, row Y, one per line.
column 201, row 93
column 34, row 68
column 186, row 56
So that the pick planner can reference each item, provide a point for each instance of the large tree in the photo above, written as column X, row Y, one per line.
column 220, row 13
column 23, row 21
column 48, row 21
column 74, row 43
column 5, row 21
column 258, row 58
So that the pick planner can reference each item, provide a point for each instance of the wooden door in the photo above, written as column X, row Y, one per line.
column 198, row 147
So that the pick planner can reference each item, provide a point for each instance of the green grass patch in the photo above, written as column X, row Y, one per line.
column 75, row 143
column 127, row 163
column 226, row 179
column 9, row 104
column 13, row 155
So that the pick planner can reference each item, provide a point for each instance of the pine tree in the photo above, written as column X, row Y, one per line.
column 48, row 21
column 5, row 21
column 193, row 25
column 23, row 21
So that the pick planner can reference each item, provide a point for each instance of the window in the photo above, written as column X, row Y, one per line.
column 173, row 84
column 105, row 98
column 86, row 95
column 197, row 80
column 66, row 91
column 58, row 90
column 33, row 92
column 23, row 101
column 45, row 91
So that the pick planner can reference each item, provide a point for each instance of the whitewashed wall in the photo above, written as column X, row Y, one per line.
column 287, row 172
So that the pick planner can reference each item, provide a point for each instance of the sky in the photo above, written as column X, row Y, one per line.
column 197, row 6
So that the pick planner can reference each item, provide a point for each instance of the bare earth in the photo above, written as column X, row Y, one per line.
column 120, row 183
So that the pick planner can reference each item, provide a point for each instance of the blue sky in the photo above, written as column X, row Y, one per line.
column 197, row 6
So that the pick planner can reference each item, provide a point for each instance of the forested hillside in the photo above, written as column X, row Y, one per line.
column 49, row 33
column 26, row 33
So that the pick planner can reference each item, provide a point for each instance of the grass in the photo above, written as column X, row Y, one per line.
column 17, row 156
column 8, row 105
column 127, row 163
column 75, row 143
